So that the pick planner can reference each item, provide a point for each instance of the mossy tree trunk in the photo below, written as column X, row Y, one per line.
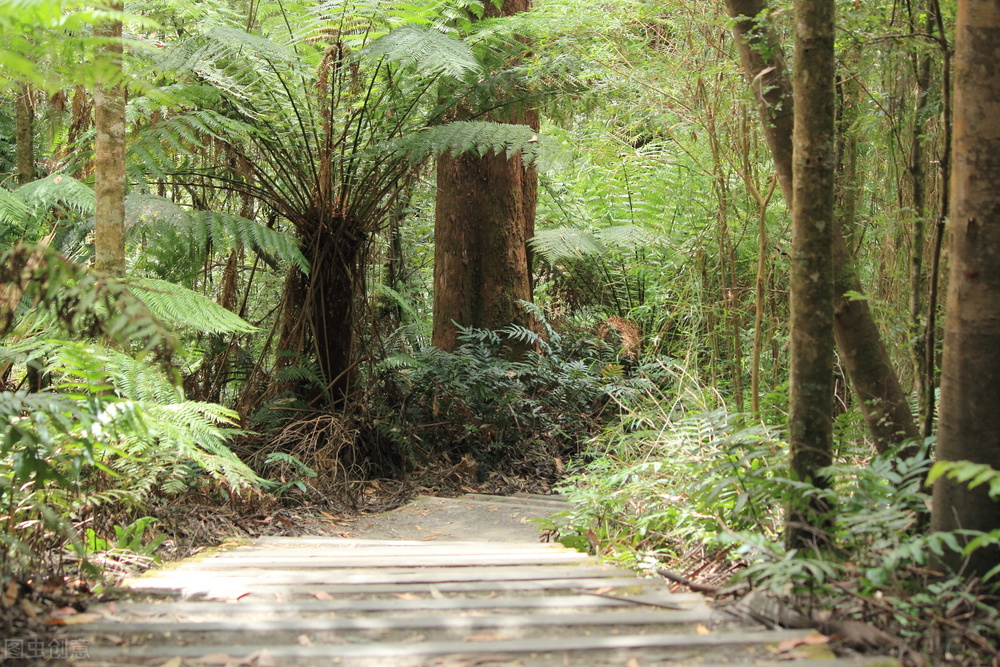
column 810, row 422
column 969, row 418
column 484, row 216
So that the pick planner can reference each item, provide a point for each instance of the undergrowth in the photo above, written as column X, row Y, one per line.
column 699, row 497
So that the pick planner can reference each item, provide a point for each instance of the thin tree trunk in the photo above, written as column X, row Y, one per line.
column 969, row 423
column 918, row 178
column 810, row 421
column 109, row 152
column 862, row 351
column 484, row 216
column 24, row 136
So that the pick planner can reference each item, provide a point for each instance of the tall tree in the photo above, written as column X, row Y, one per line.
column 811, row 387
column 969, row 421
column 484, row 217
column 109, row 149
column 859, row 342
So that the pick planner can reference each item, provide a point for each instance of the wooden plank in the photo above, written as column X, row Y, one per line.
column 440, row 549
column 678, row 601
column 456, row 648
column 337, row 541
column 249, row 576
column 403, row 560
column 622, row 619
column 393, row 588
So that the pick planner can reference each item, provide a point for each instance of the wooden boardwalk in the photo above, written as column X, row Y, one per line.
column 451, row 603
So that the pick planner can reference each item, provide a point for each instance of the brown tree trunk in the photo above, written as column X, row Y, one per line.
column 24, row 136
column 969, row 421
column 862, row 351
column 109, row 152
column 484, row 217
column 810, row 421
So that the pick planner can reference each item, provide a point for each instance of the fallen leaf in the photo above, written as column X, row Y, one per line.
column 303, row 640
column 79, row 619
column 809, row 640
column 29, row 608
column 119, row 641
column 604, row 590
column 64, row 611
column 321, row 595
column 702, row 630
column 261, row 658
column 486, row 637
column 173, row 662
column 632, row 662
column 10, row 591
column 408, row 596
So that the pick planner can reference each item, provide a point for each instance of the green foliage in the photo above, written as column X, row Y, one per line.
column 174, row 240
column 968, row 473
column 110, row 421
column 493, row 405
column 180, row 306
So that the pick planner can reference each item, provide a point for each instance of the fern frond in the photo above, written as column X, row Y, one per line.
column 425, row 50
column 564, row 243
column 12, row 208
column 58, row 190
column 183, row 307
column 466, row 136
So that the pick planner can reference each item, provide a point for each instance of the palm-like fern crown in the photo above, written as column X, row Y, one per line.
column 321, row 119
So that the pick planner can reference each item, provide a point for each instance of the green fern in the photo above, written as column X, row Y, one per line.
column 180, row 306
column 478, row 137
column 425, row 50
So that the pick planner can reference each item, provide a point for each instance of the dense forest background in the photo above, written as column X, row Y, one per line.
column 276, row 254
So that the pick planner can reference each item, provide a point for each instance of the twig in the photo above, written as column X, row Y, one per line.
column 662, row 605
column 684, row 581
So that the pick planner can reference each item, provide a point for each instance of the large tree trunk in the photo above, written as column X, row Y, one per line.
column 109, row 152
column 484, row 217
column 810, row 422
column 862, row 351
column 969, row 421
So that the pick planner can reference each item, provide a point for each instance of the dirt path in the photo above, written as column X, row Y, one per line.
column 440, row 582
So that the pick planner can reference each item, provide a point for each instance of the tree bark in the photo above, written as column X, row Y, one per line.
column 484, row 217
column 969, row 421
column 810, row 421
column 24, row 136
column 109, row 152
column 859, row 342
